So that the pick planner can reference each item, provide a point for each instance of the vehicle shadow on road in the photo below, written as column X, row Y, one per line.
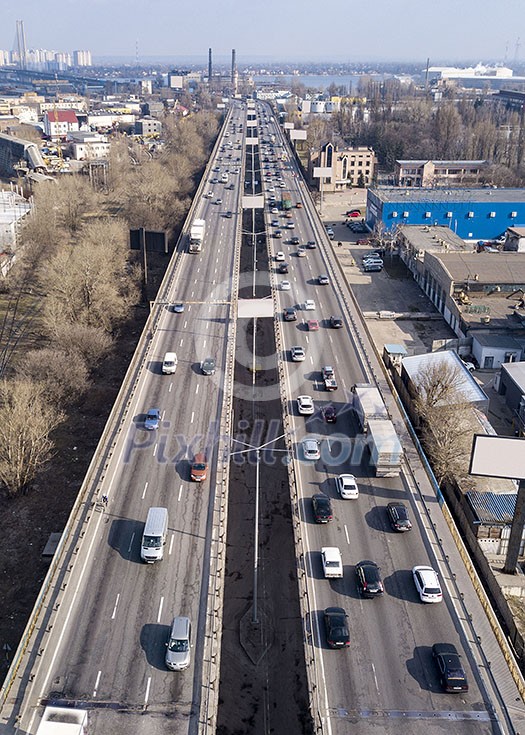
column 124, row 536
column 420, row 668
column 153, row 639
column 401, row 585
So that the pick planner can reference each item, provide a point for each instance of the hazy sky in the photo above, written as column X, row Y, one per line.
column 342, row 30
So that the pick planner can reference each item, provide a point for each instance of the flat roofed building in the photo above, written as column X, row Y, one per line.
column 351, row 167
column 438, row 173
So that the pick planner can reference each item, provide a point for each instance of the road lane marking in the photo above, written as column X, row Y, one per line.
column 375, row 677
column 180, row 343
column 148, row 685
column 144, row 491
column 185, row 325
column 204, row 344
column 97, row 682
column 171, row 386
column 346, row 534
column 193, row 292
column 131, row 542
column 115, row 608
column 336, row 358
column 172, row 541
column 155, row 450
column 192, row 417
column 180, row 493
column 159, row 614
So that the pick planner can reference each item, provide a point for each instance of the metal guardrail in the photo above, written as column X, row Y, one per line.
column 80, row 515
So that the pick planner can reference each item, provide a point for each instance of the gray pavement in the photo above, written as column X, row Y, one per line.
column 488, row 644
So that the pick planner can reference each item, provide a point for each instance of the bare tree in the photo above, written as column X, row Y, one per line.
column 26, row 421
column 62, row 375
column 91, row 343
column 444, row 412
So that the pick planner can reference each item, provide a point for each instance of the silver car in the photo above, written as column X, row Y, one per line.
column 178, row 647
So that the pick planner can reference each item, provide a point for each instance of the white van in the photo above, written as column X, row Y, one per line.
column 154, row 536
column 169, row 364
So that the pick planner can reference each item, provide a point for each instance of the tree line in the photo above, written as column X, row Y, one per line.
column 75, row 282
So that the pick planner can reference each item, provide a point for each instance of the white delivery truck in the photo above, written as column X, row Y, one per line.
column 197, row 231
column 154, row 536
column 368, row 404
column 385, row 448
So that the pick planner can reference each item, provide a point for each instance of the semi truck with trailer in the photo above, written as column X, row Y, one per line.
column 368, row 404
column 385, row 448
column 286, row 200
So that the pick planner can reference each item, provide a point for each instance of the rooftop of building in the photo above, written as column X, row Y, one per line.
column 484, row 268
column 479, row 195
column 422, row 161
column 430, row 237
column 467, row 385
column 516, row 370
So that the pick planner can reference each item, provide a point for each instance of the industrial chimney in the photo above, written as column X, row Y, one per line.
column 209, row 66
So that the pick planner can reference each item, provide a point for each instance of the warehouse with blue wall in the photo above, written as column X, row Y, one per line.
column 473, row 214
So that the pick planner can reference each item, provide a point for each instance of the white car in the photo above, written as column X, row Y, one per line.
column 274, row 210
column 270, row 188
column 298, row 354
column 305, row 405
column 311, row 449
column 427, row 584
column 279, row 255
column 332, row 562
column 347, row 487
column 286, row 286
column 301, row 253
column 309, row 305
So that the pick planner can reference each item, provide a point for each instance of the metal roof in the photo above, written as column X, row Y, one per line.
column 498, row 268
column 491, row 508
column 468, row 386
column 516, row 370
column 482, row 195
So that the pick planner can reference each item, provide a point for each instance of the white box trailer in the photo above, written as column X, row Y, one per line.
column 197, row 231
column 63, row 721
column 385, row 448
column 368, row 404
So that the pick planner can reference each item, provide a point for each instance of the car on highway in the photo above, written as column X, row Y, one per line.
column 289, row 225
column 336, row 322
column 311, row 244
column 336, row 627
column 152, row 419
column 274, row 223
column 311, row 449
column 278, row 234
column 332, row 562
column 218, row 201
column 285, row 286
column 398, row 516
column 283, row 268
column 279, row 255
column 289, row 314
column 199, row 467
column 323, row 280
column 452, row 676
column 329, row 414
column 297, row 354
column 178, row 647
column 301, row 252
column 313, row 325
column 228, row 214
column 178, row 308
column 208, row 366
column 274, row 210
column 322, row 508
column 294, row 241
column 347, row 487
column 369, row 582
column 299, row 205
column 427, row 584
column 309, row 305
column 305, row 405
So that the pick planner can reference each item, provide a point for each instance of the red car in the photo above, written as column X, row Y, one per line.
column 313, row 325
column 353, row 213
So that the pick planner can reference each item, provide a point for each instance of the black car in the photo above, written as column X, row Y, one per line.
column 336, row 322
column 311, row 244
column 448, row 662
column 208, row 366
column 336, row 626
column 369, row 579
column 322, row 507
column 295, row 241
column 329, row 414
column 398, row 516
column 283, row 268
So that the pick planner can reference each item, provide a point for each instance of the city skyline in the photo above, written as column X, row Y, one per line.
column 403, row 31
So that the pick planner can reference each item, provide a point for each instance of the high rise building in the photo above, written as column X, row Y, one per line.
column 82, row 58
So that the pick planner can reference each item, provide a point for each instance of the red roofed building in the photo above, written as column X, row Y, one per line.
column 58, row 123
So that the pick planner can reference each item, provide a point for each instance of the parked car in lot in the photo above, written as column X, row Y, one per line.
column 427, row 584
column 152, row 420
column 336, row 627
column 369, row 581
column 353, row 213
column 398, row 516
column 372, row 267
column 452, row 676
column 297, row 353
column 347, row 487
column 289, row 314
column 305, row 405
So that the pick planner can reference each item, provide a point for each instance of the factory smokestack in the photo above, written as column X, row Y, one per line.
column 209, row 66
column 233, row 65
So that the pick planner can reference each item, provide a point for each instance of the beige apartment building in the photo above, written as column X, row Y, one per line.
column 439, row 173
column 350, row 167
